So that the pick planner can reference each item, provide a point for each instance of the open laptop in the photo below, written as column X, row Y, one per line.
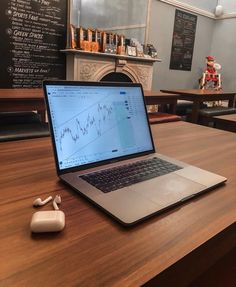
column 104, row 149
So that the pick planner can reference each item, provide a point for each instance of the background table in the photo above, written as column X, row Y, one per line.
column 198, row 96
column 12, row 100
column 162, row 99
column 33, row 99
column 94, row 250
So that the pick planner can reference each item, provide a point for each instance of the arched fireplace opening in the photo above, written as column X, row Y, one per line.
column 116, row 77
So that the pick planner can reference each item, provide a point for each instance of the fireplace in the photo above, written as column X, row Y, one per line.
column 86, row 66
column 116, row 77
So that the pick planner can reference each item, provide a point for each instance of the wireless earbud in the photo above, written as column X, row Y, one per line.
column 40, row 202
column 56, row 201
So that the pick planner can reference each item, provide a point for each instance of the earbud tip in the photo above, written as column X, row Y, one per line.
column 37, row 202
column 58, row 199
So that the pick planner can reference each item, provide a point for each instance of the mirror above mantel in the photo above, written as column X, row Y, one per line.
column 128, row 17
column 125, row 17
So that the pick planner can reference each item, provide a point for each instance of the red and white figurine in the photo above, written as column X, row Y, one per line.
column 211, row 79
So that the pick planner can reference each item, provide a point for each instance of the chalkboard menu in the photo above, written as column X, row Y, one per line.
column 183, row 41
column 32, row 33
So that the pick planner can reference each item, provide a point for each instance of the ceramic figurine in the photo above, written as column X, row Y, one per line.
column 211, row 79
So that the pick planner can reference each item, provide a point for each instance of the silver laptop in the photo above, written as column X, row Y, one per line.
column 104, row 150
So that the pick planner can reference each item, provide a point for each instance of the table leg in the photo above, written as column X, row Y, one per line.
column 195, row 111
column 162, row 108
column 173, row 107
column 42, row 114
column 231, row 103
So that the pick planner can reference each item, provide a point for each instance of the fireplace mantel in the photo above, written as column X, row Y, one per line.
column 88, row 66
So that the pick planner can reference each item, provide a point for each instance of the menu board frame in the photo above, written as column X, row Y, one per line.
column 32, row 34
column 183, row 41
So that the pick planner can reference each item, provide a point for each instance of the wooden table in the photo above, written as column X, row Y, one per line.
column 23, row 100
column 226, row 122
column 162, row 99
column 198, row 96
column 33, row 99
column 94, row 250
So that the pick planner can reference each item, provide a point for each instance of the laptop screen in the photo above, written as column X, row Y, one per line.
column 95, row 122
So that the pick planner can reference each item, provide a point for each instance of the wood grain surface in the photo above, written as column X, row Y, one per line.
column 230, row 118
column 14, row 100
column 21, row 93
column 94, row 250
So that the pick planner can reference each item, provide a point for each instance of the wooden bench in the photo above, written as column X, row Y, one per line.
column 21, row 125
column 159, row 118
column 225, row 122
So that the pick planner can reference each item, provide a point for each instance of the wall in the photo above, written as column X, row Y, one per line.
column 210, row 35
column 228, row 5
column 202, row 4
column 225, row 54
column 160, row 34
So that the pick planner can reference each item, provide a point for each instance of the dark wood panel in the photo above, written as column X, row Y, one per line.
column 211, row 264
column 162, row 99
column 13, row 100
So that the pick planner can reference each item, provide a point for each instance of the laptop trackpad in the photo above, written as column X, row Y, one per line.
column 166, row 190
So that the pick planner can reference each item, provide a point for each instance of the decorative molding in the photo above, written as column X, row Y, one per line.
column 82, row 66
column 198, row 11
column 87, row 71
column 190, row 8
column 227, row 16
column 144, row 75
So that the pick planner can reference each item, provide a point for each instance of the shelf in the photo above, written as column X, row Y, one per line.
column 96, row 54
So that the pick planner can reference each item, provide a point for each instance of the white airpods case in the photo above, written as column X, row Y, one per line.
column 47, row 221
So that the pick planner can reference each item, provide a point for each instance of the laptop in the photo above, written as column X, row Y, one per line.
column 104, row 149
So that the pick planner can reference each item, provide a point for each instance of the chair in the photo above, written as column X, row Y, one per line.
column 21, row 125
column 159, row 118
column 206, row 115
column 184, row 108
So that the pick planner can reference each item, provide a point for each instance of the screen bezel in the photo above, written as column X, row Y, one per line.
column 98, row 84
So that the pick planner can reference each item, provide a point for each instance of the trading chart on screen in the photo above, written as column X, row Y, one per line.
column 92, row 124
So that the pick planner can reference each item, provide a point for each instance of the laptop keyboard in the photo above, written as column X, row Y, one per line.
column 118, row 177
